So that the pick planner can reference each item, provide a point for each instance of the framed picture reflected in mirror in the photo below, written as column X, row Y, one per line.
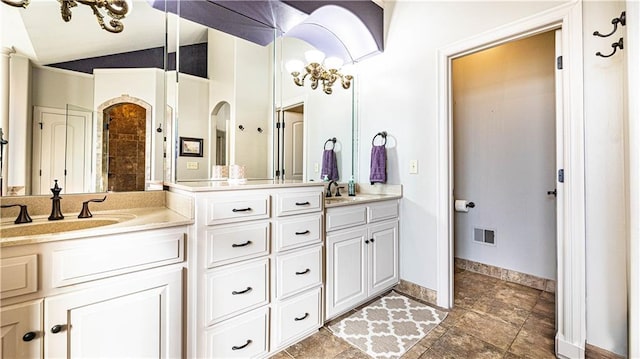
column 191, row 147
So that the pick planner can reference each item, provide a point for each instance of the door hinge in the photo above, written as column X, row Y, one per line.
column 277, row 124
column 41, row 125
column 277, row 173
column 559, row 62
column 40, row 173
column 561, row 175
column 65, row 171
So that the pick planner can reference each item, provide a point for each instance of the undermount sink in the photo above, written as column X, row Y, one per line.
column 43, row 226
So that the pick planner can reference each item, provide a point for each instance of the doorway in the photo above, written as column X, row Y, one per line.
column 504, row 161
column 289, row 139
column 125, row 131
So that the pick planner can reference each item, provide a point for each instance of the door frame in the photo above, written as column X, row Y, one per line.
column 571, row 290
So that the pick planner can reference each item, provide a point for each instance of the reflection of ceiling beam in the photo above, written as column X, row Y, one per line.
column 255, row 21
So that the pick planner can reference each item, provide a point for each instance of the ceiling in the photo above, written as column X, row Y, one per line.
column 40, row 33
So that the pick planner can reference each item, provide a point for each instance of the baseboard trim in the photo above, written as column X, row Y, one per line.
column 594, row 352
column 568, row 350
column 547, row 285
column 414, row 290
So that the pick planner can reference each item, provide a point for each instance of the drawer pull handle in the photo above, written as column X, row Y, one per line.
column 29, row 336
column 241, row 244
column 242, row 291
column 57, row 328
column 303, row 203
column 241, row 346
column 304, row 272
column 301, row 233
column 302, row 317
column 241, row 209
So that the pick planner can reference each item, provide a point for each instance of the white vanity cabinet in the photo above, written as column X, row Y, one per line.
column 259, row 269
column 361, row 254
column 107, row 296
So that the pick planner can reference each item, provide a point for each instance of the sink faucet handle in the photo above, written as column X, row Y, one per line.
column 338, row 194
column 85, row 213
column 23, row 216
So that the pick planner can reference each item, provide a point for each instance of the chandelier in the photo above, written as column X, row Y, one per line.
column 115, row 9
column 318, row 70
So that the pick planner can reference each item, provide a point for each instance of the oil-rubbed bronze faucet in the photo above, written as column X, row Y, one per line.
column 56, row 213
column 23, row 216
column 85, row 213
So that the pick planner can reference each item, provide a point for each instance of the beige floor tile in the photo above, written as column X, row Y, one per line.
column 282, row 355
column 489, row 329
column 501, row 310
column 323, row 344
column 352, row 353
column 533, row 345
column 457, row 344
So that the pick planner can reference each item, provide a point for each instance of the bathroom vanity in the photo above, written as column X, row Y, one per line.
column 117, row 283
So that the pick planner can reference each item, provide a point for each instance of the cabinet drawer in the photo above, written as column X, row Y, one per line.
column 233, row 243
column 236, row 288
column 298, row 202
column 18, row 275
column 382, row 210
column 298, row 271
column 237, row 208
column 345, row 217
column 113, row 255
column 244, row 337
column 297, row 316
column 298, row 231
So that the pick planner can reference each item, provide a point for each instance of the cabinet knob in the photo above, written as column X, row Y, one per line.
column 29, row 336
column 57, row 328
column 372, row 240
column 241, row 346
column 366, row 241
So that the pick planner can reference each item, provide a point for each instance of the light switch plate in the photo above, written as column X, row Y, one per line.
column 192, row 165
column 413, row 167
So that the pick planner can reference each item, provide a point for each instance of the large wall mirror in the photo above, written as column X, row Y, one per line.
column 85, row 104
column 245, row 109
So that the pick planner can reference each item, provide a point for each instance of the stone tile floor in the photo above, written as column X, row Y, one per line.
column 491, row 319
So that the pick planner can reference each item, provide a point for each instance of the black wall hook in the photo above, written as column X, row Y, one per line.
column 260, row 129
column 616, row 46
column 241, row 128
column 622, row 20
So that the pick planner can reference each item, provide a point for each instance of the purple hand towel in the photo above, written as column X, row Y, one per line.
column 378, row 168
column 329, row 165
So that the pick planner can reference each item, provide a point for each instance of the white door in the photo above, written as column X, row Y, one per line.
column 383, row 254
column 346, row 270
column 504, row 131
column 21, row 330
column 294, row 144
column 138, row 318
column 61, row 150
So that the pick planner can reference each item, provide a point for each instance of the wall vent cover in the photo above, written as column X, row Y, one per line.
column 486, row 236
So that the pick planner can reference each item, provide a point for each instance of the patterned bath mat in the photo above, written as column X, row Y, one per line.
column 388, row 327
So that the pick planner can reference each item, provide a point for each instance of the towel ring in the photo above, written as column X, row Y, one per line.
column 383, row 134
column 333, row 141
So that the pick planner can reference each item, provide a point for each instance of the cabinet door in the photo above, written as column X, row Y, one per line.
column 346, row 270
column 21, row 330
column 383, row 251
column 139, row 316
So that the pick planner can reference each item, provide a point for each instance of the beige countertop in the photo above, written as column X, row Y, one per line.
column 205, row 186
column 117, row 221
column 358, row 199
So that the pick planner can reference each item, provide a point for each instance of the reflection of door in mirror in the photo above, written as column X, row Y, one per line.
column 220, row 118
column 125, row 137
column 291, row 145
column 61, row 149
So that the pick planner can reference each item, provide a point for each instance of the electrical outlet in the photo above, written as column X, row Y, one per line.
column 413, row 166
column 316, row 167
column 192, row 165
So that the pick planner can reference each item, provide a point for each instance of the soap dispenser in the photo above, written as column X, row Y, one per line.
column 352, row 186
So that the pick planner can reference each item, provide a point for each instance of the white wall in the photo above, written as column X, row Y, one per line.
column 58, row 88
column 504, row 154
column 398, row 93
column 604, row 172
column 193, row 121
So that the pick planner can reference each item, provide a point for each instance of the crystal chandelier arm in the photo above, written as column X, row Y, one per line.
column 17, row 3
